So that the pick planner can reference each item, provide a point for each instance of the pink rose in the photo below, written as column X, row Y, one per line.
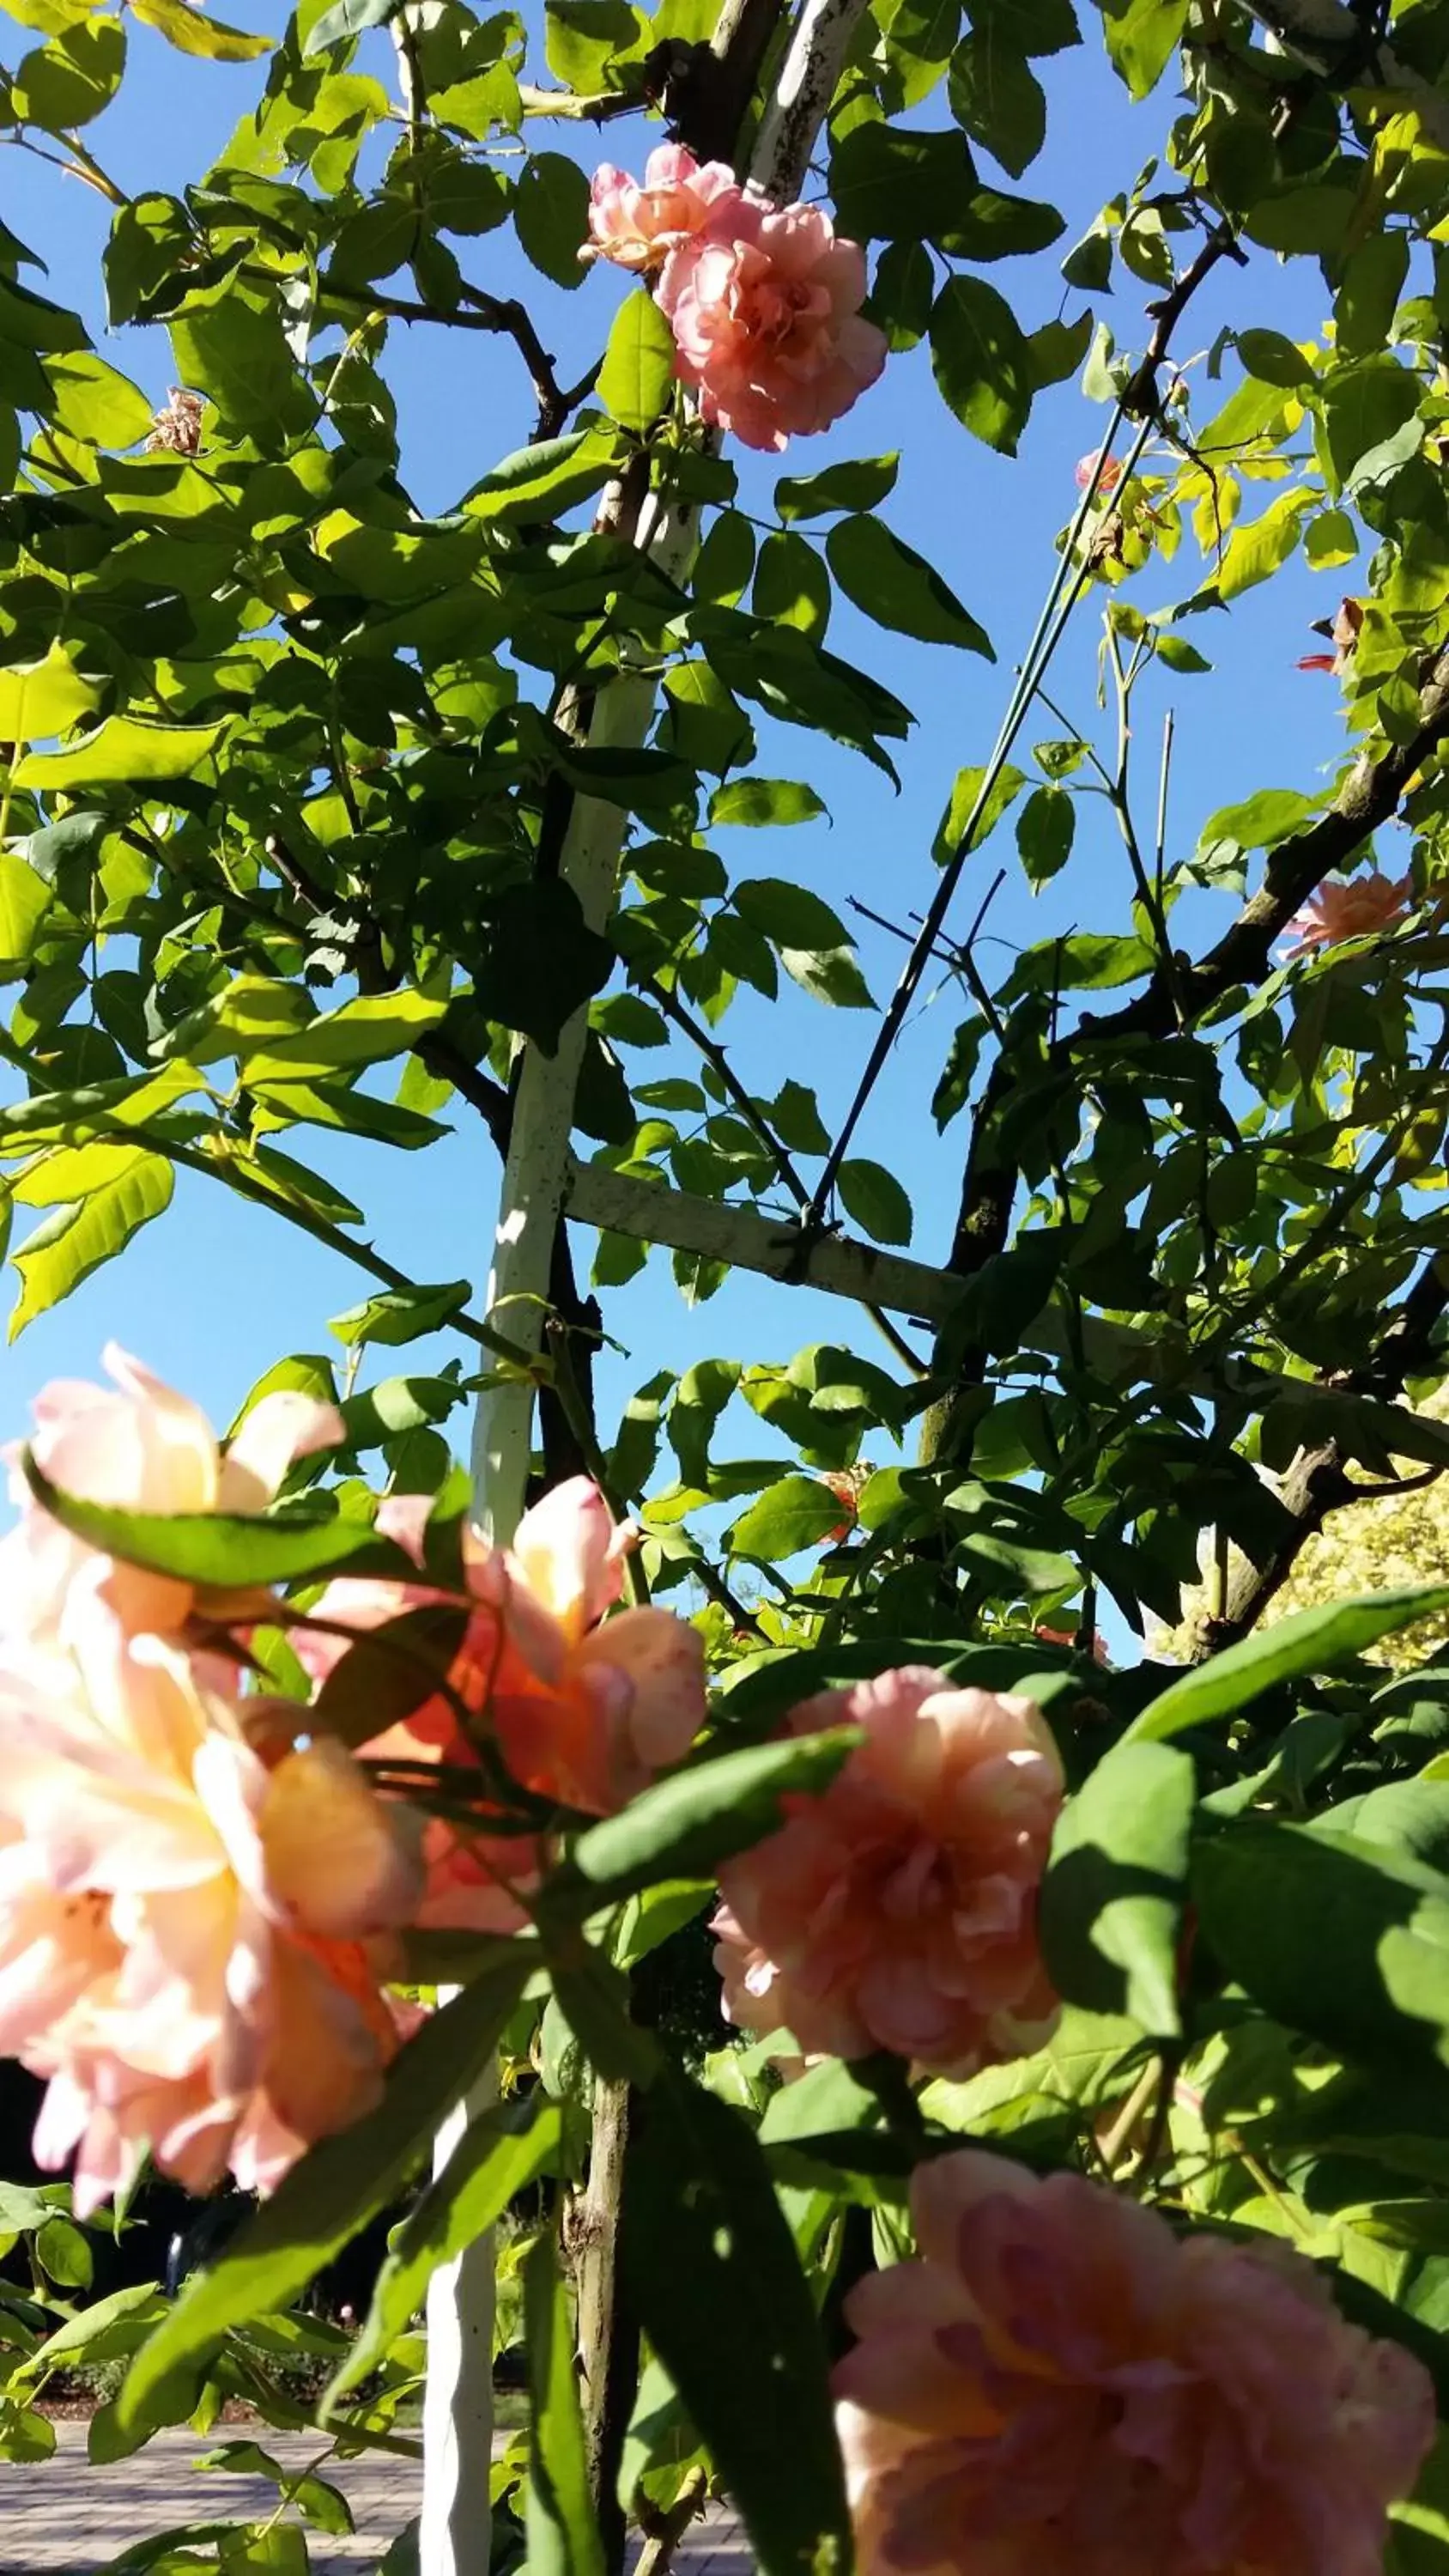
column 584, row 1709
column 195, row 1914
column 765, row 308
column 142, row 1449
column 1060, row 2386
column 1107, row 480
column 637, row 227
column 1348, row 908
column 898, row 1910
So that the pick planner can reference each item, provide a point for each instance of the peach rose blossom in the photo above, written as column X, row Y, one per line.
column 898, row 1910
column 583, row 1713
column 192, row 1935
column 1348, row 908
column 1060, row 2386
column 638, row 226
column 765, row 305
column 140, row 1449
column 1107, row 480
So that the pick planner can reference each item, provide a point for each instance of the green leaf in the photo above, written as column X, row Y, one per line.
column 1044, row 830
column 192, row 32
column 345, row 20
column 794, row 1514
column 1340, row 1939
column 996, row 96
column 1176, row 654
column 981, row 361
column 1307, row 1641
column 1112, row 1898
column 716, row 2282
column 110, row 2329
column 1057, row 350
column 1275, row 360
column 794, row 1113
column 218, row 1549
column 399, row 1315
column 586, row 41
column 67, row 82
column 792, row 587
column 957, row 820
column 890, row 582
column 499, row 2154
column 236, row 350
column 1141, row 37
column 894, row 183
column 858, row 484
column 1027, row 26
column 389, row 1671
column 725, row 561
column 40, row 699
column 876, row 1200
column 920, row 36
column 371, row 1030
column 900, row 299
column 32, row 322
column 539, row 482
column 707, row 726
column 701, row 1397
column 124, row 751
column 1363, row 407
column 63, row 2251
column 1373, row 280
column 96, row 402
column 551, row 218
column 954, row 1088
column 638, row 364
column 683, row 1827
column 756, row 802
column 129, row 1187
column 788, row 914
column 1260, row 547
column 543, row 962
column 993, row 226
column 341, row 2184
column 25, row 899
column 563, row 2531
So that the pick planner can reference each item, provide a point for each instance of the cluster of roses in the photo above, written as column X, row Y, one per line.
column 200, row 1909
column 763, row 301
column 201, row 1898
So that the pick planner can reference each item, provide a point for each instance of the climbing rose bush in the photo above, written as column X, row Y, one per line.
column 1086, row 2394
column 898, row 1910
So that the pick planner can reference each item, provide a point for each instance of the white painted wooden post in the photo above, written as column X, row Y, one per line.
column 454, row 2534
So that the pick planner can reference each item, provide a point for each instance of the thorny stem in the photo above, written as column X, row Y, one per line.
column 1073, row 571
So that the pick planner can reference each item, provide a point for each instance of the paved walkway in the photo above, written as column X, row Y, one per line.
column 62, row 2515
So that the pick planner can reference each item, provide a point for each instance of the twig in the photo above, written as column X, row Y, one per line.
column 1068, row 579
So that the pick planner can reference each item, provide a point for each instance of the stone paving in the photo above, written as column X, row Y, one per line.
column 61, row 2517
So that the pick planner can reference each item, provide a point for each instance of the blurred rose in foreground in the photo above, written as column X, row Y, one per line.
column 1060, row 2386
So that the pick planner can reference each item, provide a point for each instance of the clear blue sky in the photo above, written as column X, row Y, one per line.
column 215, row 1291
